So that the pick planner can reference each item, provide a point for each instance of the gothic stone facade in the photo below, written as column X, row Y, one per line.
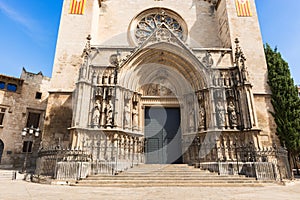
column 120, row 59
column 23, row 104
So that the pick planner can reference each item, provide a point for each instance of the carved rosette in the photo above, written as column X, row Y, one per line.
column 147, row 25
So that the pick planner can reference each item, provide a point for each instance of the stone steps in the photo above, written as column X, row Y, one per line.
column 6, row 175
column 165, row 176
column 92, row 178
column 165, row 183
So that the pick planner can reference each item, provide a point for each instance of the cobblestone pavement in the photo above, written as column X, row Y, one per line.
column 15, row 190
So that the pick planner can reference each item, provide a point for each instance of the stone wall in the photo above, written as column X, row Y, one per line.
column 109, row 26
column 17, row 105
column 58, row 119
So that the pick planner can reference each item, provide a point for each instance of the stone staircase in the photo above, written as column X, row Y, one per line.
column 155, row 175
column 6, row 175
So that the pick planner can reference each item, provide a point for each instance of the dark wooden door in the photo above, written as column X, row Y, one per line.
column 162, row 135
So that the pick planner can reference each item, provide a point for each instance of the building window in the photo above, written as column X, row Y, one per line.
column 33, row 120
column 11, row 87
column 27, row 146
column 2, row 112
column 2, row 85
column 148, row 21
column 38, row 95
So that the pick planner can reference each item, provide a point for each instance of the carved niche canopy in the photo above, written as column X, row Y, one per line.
column 148, row 21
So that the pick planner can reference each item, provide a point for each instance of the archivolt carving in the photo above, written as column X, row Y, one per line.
column 156, row 90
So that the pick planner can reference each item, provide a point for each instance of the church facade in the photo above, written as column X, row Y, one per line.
column 161, row 81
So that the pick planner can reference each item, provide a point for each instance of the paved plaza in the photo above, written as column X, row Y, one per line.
column 13, row 190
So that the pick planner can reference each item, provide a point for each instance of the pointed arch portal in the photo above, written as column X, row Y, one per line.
column 168, row 77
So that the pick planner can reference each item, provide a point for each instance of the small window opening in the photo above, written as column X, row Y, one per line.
column 11, row 87
column 2, row 112
column 33, row 120
column 2, row 85
column 38, row 95
column 27, row 146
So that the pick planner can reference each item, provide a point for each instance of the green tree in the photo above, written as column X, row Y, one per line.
column 285, row 101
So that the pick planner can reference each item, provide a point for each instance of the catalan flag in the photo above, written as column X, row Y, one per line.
column 77, row 7
column 243, row 8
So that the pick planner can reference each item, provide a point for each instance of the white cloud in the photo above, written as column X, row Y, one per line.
column 15, row 16
column 27, row 24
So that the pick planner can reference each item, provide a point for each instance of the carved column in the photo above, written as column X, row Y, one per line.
column 105, row 147
column 104, row 105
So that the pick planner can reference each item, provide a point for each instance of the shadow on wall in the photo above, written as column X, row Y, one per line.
column 57, row 121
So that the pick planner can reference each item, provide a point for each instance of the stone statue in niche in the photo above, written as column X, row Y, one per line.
column 201, row 117
column 127, row 115
column 96, row 113
column 220, row 114
column 109, row 113
column 232, row 114
column 135, row 116
column 207, row 59
column 245, row 73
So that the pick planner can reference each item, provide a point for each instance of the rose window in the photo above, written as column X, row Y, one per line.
column 146, row 23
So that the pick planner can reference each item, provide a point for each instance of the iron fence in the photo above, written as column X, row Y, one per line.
column 65, row 164
column 264, row 164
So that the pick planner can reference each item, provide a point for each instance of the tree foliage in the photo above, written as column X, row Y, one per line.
column 285, row 100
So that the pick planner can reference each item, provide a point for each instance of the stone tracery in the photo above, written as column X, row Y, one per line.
column 150, row 22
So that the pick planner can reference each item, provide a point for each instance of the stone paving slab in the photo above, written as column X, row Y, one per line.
column 13, row 190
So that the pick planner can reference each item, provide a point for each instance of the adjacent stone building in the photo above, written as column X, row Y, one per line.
column 161, row 81
column 23, row 104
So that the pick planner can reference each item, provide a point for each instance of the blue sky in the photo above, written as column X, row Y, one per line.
column 29, row 31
